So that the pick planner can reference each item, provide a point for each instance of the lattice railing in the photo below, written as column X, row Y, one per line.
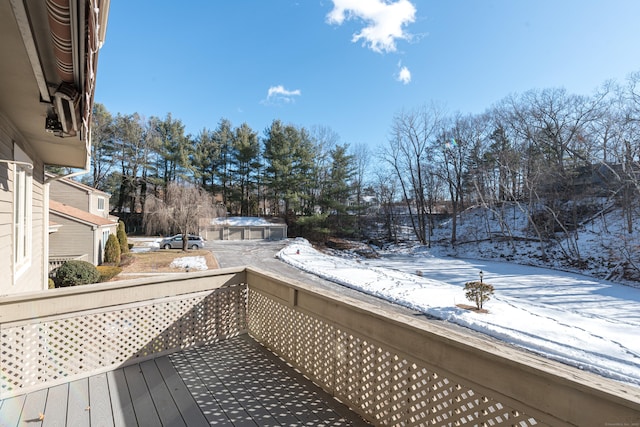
column 392, row 369
column 385, row 386
column 47, row 350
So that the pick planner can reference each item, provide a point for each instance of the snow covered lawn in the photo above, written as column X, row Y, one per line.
column 192, row 262
column 588, row 323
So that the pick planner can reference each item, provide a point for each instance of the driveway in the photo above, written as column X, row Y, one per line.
column 261, row 254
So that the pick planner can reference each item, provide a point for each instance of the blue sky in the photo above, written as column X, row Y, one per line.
column 351, row 65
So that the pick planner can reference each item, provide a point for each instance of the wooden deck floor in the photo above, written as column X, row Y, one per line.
column 232, row 383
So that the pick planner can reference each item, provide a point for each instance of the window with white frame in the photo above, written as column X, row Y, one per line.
column 105, row 237
column 100, row 203
column 22, row 186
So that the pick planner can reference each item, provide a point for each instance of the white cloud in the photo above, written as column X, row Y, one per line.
column 280, row 95
column 384, row 21
column 404, row 75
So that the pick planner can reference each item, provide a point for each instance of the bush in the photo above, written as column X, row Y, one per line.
column 112, row 250
column 52, row 284
column 74, row 273
column 478, row 292
column 108, row 272
column 122, row 238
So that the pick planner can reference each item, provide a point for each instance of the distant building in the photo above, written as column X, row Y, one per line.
column 82, row 213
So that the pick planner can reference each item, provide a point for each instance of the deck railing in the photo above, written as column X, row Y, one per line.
column 393, row 369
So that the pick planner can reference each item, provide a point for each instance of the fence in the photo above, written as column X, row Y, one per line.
column 392, row 369
column 55, row 262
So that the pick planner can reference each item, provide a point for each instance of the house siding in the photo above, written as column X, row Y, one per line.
column 93, row 204
column 74, row 241
column 79, row 196
column 32, row 277
column 76, row 237
column 69, row 195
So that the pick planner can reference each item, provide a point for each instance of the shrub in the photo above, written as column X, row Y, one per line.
column 52, row 284
column 122, row 238
column 478, row 292
column 74, row 273
column 112, row 250
column 108, row 272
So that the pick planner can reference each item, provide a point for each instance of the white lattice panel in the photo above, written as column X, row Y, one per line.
column 49, row 349
column 291, row 334
column 381, row 384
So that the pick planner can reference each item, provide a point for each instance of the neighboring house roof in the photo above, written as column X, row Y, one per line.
column 77, row 184
column 79, row 215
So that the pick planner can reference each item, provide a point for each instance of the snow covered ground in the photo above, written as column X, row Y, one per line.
column 585, row 322
column 147, row 244
column 191, row 262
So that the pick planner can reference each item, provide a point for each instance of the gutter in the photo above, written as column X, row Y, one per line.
column 71, row 175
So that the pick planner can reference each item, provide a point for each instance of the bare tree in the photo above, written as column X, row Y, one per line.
column 385, row 184
column 181, row 209
column 408, row 153
column 362, row 160
column 453, row 149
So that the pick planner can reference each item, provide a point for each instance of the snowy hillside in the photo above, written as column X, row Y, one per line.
column 600, row 247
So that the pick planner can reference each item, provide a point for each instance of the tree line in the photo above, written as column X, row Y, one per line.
column 288, row 171
column 545, row 150
column 548, row 152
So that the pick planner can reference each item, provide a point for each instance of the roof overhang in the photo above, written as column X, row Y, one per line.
column 48, row 63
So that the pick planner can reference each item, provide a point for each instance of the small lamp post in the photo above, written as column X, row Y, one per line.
column 481, row 276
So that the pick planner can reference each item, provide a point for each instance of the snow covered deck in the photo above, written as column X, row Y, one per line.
column 232, row 382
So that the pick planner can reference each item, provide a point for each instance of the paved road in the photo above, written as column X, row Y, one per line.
column 261, row 254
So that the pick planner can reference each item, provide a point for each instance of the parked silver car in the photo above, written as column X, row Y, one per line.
column 175, row 242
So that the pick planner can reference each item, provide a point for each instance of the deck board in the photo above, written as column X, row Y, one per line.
column 78, row 403
column 146, row 414
column 33, row 409
column 55, row 410
column 11, row 410
column 186, row 404
column 162, row 399
column 234, row 382
column 121, row 404
column 100, row 412
column 220, row 387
